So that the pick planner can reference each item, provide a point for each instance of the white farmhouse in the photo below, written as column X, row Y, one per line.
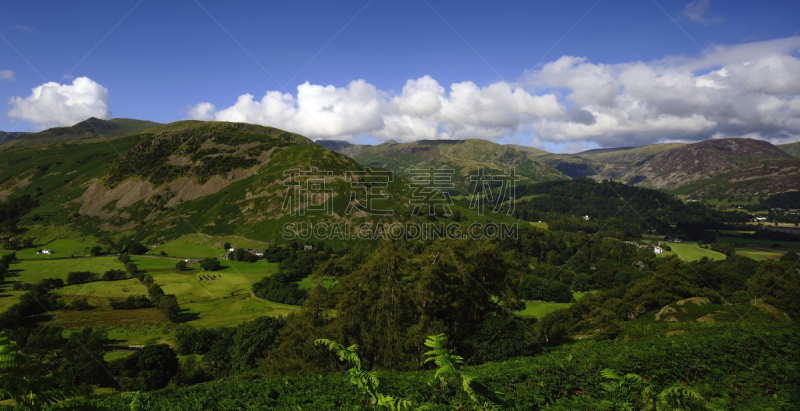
column 658, row 250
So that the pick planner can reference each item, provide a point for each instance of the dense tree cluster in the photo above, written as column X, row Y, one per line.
column 12, row 209
column 279, row 288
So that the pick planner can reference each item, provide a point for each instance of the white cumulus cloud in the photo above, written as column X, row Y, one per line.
column 733, row 91
column 742, row 90
column 423, row 110
column 53, row 104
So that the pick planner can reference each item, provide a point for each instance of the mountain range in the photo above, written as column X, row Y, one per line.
column 123, row 179
column 718, row 167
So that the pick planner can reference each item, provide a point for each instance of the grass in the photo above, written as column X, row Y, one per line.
column 202, row 246
column 62, row 248
column 36, row 270
column 119, row 289
column 757, row 254
column 541, row 225
column 307, row 284
column 9, row 298
column 230, row 311
column 115, row 355
column 689, row 251
column 784, row 245
column 539, row 309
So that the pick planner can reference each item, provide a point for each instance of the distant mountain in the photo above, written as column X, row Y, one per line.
column 5, row 136
column 604, row 162
column 722, row 166
column 89, row 129
column 792, row 148
column 462, row 156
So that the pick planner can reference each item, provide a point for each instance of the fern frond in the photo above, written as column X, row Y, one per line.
column 610, row 374
column 394, row 404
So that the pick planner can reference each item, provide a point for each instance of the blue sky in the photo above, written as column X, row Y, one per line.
column 159, row 60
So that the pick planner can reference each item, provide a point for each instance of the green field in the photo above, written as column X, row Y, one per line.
column 62, row 248
column 8, row 298
column 539, row 309
column 689, row 251
column 36, row 270
column 230, row 311
column 784, row 245
column 307, row 284
column 757, row 254
column 201, row 246
column 120, row 289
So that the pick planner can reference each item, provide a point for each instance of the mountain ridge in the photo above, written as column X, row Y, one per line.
column 89, row 129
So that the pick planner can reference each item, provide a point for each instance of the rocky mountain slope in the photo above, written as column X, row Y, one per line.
column 722, row 166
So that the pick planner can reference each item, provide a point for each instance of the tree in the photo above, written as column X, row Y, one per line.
column 82, row 358
column 181, row 265
column 25, row 383
column 131, row 268
column 157, row 364
column 124, row 258
column 210, row 264
column 136, row 248
column 97, row 250
column 226, row 246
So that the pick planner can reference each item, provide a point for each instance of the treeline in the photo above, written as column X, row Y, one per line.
column 649, row 209
column 12, row 209
column 786, row 201
column 735, row 280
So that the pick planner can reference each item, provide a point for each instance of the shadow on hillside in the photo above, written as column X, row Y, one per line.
column 185, row 316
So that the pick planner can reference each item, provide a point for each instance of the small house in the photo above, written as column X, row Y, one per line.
column 658, row 250
column 586, row 217
column 230, row 250
column 46, row 251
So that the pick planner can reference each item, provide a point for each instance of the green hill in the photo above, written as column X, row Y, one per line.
column 792, row 148
column 462, row 156
column 5, row 136
column 213, row 178
column 90, row 129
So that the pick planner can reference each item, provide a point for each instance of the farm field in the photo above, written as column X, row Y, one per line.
column 757, row 254
column 62, row 248
column 201, row 246
column 33, row 271
column 230, row 311
column 689, row 251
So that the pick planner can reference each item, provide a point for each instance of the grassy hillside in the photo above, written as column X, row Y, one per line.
column 791, row 148
column 219, row 179
column 90, row 129
column 463, row 156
